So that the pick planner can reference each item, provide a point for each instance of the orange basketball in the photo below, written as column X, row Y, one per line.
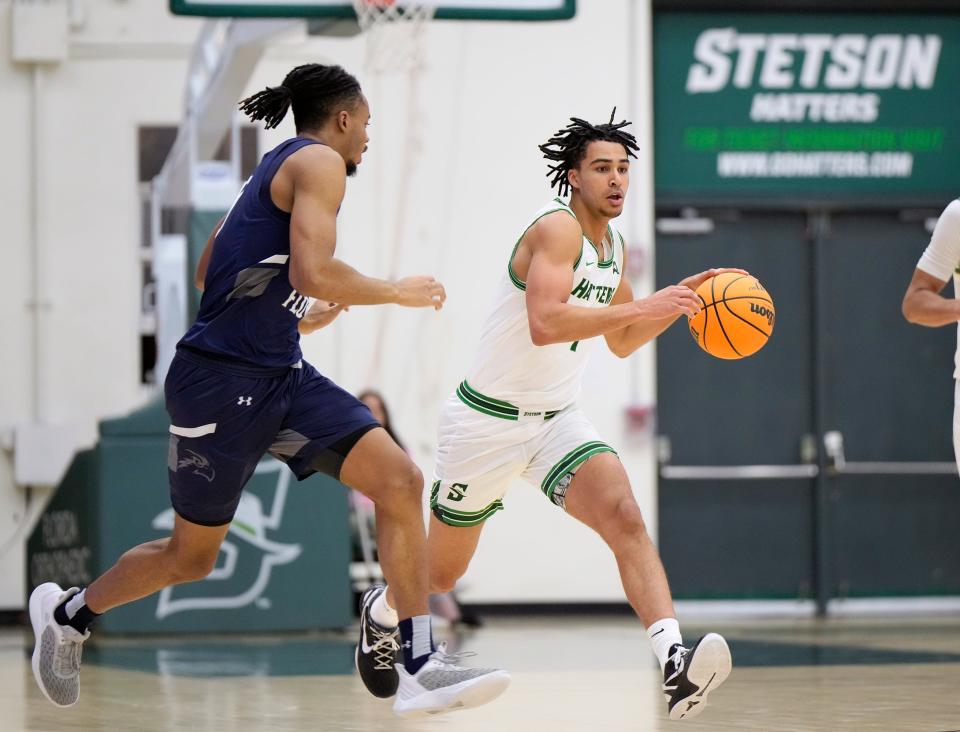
column 737, row 316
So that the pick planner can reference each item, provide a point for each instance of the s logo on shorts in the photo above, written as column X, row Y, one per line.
column 201, row 466
column 457, row 492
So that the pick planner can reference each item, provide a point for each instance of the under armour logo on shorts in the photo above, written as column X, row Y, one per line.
column 242, row 403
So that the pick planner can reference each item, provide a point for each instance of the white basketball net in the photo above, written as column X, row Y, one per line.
column 394, row 31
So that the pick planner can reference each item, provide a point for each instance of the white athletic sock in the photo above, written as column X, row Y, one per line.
column 75, row 603
column 382, row 614
column 663, row 634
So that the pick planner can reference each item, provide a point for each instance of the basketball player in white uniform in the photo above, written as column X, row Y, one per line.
column 515, row 414
column 924, row 305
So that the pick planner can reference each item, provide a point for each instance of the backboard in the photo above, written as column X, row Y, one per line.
column 530, row 10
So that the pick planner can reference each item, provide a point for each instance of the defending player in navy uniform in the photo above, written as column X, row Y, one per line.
column 238, row 388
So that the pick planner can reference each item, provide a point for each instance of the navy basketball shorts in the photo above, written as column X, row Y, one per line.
column 224, row 417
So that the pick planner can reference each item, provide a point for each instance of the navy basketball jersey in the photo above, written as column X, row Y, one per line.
column 249, row 311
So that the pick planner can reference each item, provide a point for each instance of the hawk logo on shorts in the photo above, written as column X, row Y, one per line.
column 201, row 466
column 457, row 492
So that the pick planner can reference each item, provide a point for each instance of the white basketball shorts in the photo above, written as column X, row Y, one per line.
column 484, row 444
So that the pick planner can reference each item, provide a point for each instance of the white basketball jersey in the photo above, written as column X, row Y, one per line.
column 508, row 366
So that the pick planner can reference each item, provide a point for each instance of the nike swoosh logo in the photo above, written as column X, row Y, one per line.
column 365, row 649
column 658, row 633
column 588, row 264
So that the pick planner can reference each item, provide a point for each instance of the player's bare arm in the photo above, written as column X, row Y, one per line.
column 318, row 176
column 924, row 305
column 320, row 315
column 200, row 277
column 624, row 341
column 550, row 247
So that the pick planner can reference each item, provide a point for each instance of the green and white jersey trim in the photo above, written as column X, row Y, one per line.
column 452, row 517
column 511, row 375
column 611, row 244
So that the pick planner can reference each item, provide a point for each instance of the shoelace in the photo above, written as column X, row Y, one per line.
column 66, row 659
column 384, row 648
column 451, row 659
column 677, row 659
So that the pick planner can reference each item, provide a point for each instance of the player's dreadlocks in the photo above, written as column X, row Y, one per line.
column 569, row 145
column 314, row 90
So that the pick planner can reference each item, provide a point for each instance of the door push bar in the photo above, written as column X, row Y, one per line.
column 837, row 463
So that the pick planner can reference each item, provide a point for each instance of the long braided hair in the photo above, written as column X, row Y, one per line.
column 568, row 146
column 314, row 91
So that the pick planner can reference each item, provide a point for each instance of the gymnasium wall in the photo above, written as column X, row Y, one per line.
column 490, row 93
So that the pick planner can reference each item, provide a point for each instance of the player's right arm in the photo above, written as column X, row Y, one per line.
column 319, row 180
column 923, row 304
column 554, row 243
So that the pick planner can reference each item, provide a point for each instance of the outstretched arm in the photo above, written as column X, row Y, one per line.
column 554, row 243
column 626, row 340
column 319, row 180
column 923, row 304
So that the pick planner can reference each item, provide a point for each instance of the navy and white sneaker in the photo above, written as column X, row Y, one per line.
column 377, row 650
column 57, row 649
column 691, row 673
column 443, row 685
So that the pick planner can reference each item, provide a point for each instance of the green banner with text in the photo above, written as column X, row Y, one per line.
column 816, row 106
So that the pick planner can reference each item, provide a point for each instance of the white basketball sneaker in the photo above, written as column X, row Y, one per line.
column 442, row 686
column 56, row 655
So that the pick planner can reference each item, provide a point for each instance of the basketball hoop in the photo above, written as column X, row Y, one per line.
column 395, row 36
column 394, row 30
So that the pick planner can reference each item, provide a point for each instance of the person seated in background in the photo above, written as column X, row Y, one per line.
column 443, row 605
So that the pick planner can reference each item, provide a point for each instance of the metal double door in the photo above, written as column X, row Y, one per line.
column 823, row 466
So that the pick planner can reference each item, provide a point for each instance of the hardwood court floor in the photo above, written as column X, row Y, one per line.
column 569, row 675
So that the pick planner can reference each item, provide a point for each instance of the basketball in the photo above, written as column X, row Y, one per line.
column 737, row 317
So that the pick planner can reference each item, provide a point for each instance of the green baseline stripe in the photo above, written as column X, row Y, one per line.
column 563, row 464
